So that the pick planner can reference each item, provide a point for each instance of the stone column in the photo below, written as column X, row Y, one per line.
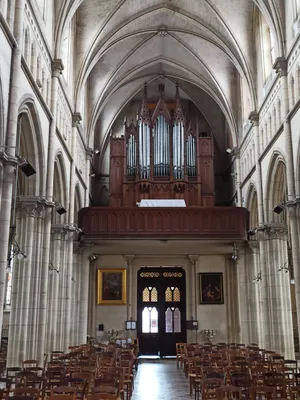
column 193, row 292
column 243, row 293
column 57, row 67
column 84, row 298
column 281, row 68
column 129, row 260
column 277, row 296
column 10, row 148
column 55, row 275
column 25, row 304
column 230, row 296
column 255, row 293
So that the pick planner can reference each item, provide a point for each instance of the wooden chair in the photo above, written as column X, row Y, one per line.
column 25, row 392
column 102, row 396
column 229, row 392
column 262, row 392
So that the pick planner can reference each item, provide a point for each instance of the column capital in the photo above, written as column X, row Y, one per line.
column 193, row 257
column 274, row 231
column 254, row 118
column 76, row 119
column 8, row 159
column 57, row 66
column 280, row 66
column 128, row 258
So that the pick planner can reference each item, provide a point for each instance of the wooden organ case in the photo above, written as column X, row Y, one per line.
column 163, row 156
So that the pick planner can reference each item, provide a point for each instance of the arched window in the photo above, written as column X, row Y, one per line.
column 267, row 46
column 296, row 5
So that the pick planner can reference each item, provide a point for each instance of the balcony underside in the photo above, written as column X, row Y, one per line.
column 206, row 223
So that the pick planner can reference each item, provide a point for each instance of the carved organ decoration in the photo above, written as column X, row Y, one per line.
column 163, row 157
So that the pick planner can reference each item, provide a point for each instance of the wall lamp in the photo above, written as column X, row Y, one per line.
column 15, row 251
column 26, row 167
column 252, row 232
column 279, row 208
column 285, row 267
column 257, row 278
column 234, row 255
column 60, row 209
column 97, row 152
column 93, row 257
column 52, row 267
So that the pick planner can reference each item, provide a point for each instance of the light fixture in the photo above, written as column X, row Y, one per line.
column 97, row 152
column 92, row 174
column 15, row 251
column 285, row 267
column 279, row 208
column 93, row 257
column 52, row 267
column 234, row 255
column 252, row 232
column 60, row 209
column 228, row 151
column 257, row 278
column 26, row 167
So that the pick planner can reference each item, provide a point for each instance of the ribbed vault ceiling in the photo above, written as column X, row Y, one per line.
column 205, row 45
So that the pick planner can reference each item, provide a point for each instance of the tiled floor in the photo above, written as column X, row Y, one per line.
column 160, row 380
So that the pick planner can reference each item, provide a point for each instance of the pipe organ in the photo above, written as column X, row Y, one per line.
column 161, row 156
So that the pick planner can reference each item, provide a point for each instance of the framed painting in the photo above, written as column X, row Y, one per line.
column 211, row 288
column 111, row 286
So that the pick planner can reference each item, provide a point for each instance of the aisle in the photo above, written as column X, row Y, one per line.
column 160, row 380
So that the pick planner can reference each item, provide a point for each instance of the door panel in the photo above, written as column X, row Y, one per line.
column 161, row 310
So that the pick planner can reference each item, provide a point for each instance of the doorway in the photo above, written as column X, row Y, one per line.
column 161, row 313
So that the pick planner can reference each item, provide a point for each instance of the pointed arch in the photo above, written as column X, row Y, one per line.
column 60, row 187
column 77, row 203
column 30, row 146
column 276, row 187
column 252, row 206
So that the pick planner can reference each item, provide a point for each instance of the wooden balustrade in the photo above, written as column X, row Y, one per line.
column 190, row 222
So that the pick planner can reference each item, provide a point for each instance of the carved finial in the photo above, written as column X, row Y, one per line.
column 178, row 112
column 145, row 114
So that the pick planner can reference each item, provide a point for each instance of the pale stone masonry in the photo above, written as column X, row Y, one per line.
column 70, row 72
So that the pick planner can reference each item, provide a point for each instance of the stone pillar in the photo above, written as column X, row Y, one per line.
column 193, row 293
column 230, row 296
column 129, row 286
column 10, row 148
column 243, row 293
column 254, row 118
column 255, row 293
column 281, row 68
column 26, row 288
column 277, row 296
column 84, row 298
column 57, row 67
column 55, row 275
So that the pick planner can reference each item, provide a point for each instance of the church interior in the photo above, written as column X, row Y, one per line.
column 149, row 198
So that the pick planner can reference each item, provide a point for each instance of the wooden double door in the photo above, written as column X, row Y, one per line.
column 161, row 312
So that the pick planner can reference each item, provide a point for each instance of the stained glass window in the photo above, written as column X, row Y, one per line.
column 169, row 321
column 150, row 320
column 146, row 295
column 177, row 320
column 154, row 295
column 168, row 295
column 176, row 294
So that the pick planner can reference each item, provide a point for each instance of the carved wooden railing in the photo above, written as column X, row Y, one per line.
column 196, row 222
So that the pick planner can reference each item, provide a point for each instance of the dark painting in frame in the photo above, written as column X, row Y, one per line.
column 211, row 288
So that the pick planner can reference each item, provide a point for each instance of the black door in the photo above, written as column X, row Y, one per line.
column 161, row 321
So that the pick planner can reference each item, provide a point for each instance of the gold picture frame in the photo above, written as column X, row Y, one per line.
column 111, row 286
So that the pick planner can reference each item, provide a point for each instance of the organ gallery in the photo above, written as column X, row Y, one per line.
column 162, row 155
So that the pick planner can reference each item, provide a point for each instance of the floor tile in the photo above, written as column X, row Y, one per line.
column 160, row 380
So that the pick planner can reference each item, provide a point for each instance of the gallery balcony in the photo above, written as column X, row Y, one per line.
column 173, row 223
